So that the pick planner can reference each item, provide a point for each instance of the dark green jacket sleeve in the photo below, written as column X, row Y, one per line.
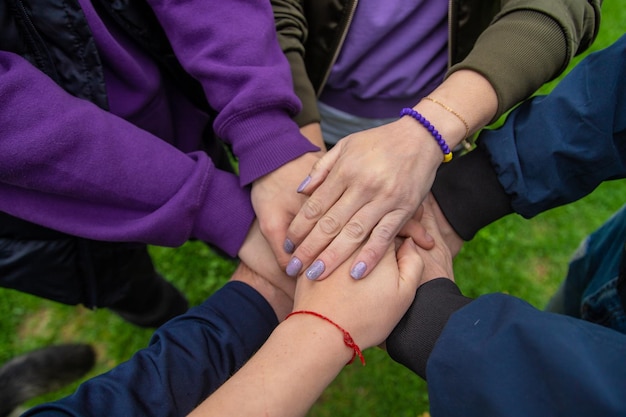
column 292, row 33
column 529, row 43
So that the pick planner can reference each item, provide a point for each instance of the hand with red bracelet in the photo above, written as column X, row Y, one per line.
column 367, row 309
column 334, row 321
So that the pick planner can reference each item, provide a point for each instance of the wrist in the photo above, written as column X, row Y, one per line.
column 417, row 137
column 279, row 299
column 453, row 129
column 317, row 335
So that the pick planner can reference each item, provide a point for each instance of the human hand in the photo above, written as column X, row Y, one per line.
column 276, row 202
column 364, row 189
column 438, row 260
column 367, row 309
column 259, row 269
column 415, row 229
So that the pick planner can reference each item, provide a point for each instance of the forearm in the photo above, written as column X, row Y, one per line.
column 313, row 132
column 328, row 329
column 310, row 352
column 292, row 31
column 235, row 70
column 101, row 177
column 188, row 358
column 529, row 43
column 542, row 157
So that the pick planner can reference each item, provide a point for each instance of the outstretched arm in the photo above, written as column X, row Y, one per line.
column 542, row 156
column 305, row 352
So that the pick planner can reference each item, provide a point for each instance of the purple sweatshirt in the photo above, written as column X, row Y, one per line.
column 136, row 173
column 394, row 54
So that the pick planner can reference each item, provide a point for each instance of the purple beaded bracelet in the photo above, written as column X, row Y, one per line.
column 447, row 154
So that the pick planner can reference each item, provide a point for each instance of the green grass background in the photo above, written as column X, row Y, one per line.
column 525, row 258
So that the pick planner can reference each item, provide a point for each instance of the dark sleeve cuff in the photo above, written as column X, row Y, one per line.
column 469, row 193
column 413, row 339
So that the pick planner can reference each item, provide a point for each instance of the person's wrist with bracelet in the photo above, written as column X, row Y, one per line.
column 332, row 322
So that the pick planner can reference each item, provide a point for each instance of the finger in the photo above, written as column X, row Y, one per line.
column 381, row 237
column 429, row 221
column 419, row 212
column 334, row 237
column 274, row 229
column 416, row 230
column 308, row 217
column 410, row 264
column 312, row 209
column 352, row 235
column 319, row 172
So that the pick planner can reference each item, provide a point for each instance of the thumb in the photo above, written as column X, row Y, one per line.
column 320, row 171
column 429, row 221
column 410, row 264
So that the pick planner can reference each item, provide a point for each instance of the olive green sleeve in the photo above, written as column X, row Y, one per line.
column 529, row 43
column 292, row 32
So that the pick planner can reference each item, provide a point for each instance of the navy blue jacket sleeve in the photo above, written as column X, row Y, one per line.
column 499, row 356
column 187, row 359
column 551, row 150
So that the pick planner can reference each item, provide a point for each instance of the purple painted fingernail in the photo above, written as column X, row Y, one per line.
column 293, row 267
column 358, row 270
column 288, row 246
column 306, row 182
column 315, row 270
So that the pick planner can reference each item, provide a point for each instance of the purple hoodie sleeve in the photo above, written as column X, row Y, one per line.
column 104, row 178
column 245, row 77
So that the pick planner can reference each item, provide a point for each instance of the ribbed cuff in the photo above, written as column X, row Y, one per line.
column 469, row 193
column 413, row 339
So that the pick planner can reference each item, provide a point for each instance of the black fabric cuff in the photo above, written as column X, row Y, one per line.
column 469, row 193
column 413, row 339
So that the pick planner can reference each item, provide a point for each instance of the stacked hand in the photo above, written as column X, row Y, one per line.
column 362, row 191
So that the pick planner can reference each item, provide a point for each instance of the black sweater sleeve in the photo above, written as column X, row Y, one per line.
column 414, row 338
column 469, row 193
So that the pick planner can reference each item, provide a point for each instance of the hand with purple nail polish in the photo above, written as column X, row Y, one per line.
column 276, row 203
column 361, row 192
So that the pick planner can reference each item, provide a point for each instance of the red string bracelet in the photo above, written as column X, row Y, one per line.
column 347, row 339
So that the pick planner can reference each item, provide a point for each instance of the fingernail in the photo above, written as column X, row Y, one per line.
column 306, row 182
column 293, row 267
column 358, row 270
column 315, row 270
column 288, row 246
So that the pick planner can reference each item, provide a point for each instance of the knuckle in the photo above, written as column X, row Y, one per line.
column 318, row 165
column 384, row 234
column 329, row 225
column 355, row 231
column 312, row 209
column 369, row 254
